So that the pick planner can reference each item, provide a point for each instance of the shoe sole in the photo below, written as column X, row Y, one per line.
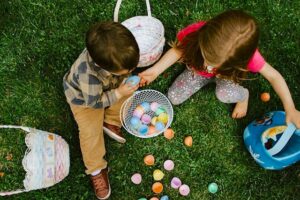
column 113, row 135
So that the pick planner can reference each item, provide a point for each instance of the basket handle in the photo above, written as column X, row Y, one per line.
column 117, row 8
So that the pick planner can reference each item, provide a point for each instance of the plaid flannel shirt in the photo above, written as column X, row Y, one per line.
column 86, row 84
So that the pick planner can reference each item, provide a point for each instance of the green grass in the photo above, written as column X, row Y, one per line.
column 39, row 41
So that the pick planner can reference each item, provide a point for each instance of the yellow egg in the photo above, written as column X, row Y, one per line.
column 153, row 121
column 158, row 175
column 149, row 160
column 163, row 117
column 188, row 141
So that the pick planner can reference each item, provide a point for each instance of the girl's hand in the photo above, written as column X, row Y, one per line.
column 126, row 89
column 293, row 117
column 148, row 76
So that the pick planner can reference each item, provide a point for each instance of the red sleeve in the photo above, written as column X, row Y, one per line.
column 256, row 63
column 189, row 29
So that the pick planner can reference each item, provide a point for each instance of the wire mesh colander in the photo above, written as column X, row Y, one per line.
column 135, row 100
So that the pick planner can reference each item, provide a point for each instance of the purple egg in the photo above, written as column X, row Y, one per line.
column 184, row 190
column 138, row 113
column 175, row 183
column 146, row 119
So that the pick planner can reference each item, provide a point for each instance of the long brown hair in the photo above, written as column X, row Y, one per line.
column 228, row 41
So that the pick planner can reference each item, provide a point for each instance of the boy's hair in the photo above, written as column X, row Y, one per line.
column 112, row 46
column 228, row 40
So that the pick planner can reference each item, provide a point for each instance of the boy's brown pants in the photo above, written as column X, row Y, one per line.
column 90, row 125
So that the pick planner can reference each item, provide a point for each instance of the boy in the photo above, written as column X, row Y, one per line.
column 95, row 91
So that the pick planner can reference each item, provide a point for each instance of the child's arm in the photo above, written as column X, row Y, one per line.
column 281, row 88
column 165, row 62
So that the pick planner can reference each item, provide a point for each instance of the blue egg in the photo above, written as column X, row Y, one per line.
column 165, row 197
column 143, row 129
column 159, row 126
column 133, row 80
column 135, row 122
column 146, row 106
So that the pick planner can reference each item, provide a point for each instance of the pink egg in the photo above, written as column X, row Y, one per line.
column 146, row 119
column 184, row 190
column 136, row 178
column 154, row 106
column 175, row 183
column 138, row 113
column 169, row 165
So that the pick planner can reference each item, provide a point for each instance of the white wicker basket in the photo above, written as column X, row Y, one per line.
column 148, row 32
column 136, row 99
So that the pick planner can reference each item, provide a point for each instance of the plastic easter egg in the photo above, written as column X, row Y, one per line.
column 154, row 106
column 212, row 188
column 184, row 190
column 159, row 111
column 138, row 113
column 146, row 106
column 169, row 133
column 149, row 160
column 133, row 80
column 159, row 126
column 136, row 178
column 135, row 122
column 163, row 117
column 154, row 198
column 188, row 141
column 142, row 199
column 157, row 187
column 143, row 129
column 146, row 119
column 158, row 175
column 165, row 197
column 175, row 183
column 265, row 97
column 169, row 165
column 151, row 130
column 153, row 121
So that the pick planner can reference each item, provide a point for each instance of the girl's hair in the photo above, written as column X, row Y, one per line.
column 228, row 41
column 112, row 46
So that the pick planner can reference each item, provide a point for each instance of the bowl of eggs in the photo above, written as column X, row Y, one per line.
column 146, row 114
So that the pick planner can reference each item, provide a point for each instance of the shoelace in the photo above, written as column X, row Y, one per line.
column 99, row 182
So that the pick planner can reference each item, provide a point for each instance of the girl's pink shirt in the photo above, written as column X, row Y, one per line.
column 255, row 64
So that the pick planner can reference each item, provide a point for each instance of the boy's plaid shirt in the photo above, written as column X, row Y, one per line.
column 86, row 84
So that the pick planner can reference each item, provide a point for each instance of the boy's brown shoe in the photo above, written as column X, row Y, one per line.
column 114, row 132
column 101, row 184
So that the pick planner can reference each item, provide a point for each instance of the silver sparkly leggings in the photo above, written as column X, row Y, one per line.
column 188, row 83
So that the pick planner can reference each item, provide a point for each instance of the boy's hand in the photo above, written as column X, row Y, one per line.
column 148, row 76
column 126, row 89
column 294, row 117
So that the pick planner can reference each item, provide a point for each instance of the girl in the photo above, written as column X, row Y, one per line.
column 223, row 50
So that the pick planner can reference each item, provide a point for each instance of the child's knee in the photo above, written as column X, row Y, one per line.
column 174, row 98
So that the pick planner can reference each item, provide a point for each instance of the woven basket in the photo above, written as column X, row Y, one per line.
column 148, row 32
column 136, row 99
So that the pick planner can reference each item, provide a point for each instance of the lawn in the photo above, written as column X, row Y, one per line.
column 39, row 41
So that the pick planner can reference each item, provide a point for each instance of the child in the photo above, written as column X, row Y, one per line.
column 95, row 91
column 223, row 50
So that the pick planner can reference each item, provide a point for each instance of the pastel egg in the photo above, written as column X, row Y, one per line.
column 184, row 190
column 163, row 117
column 159, row 111
column 157, row 187
column 159, row 126
column 265, row 97
column 149, row 160
column 142, row 198
column 169, row 133
column 151, row 130
column 136, row 178
column 135, row 122
column 138, row 113
column 146, row 119
column 154, row 198
column 158, row 175
column 143, row 129
column 169, row 165
column 165, row 197
column 154, row 106
column 146, row 106
column 212, row 188
column 133, row 80
column 175, row 183
column 153, row 121
column 188, row 141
